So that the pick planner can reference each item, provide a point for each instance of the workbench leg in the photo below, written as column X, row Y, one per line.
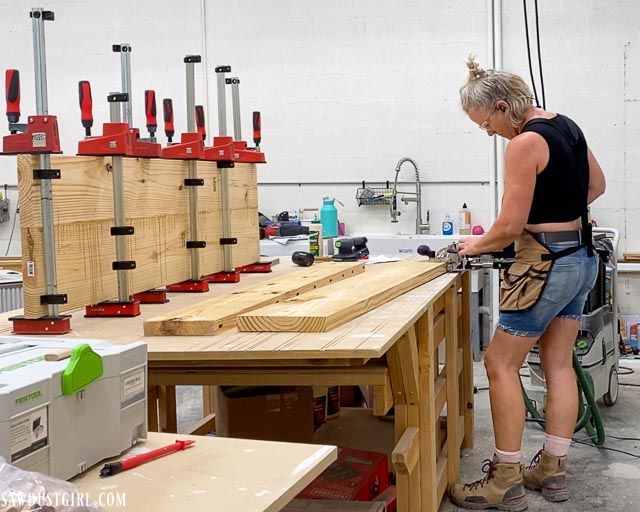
column 167, row 409
column 429, row 446
column 453, row 402
column 467, row 362
column 402, row 360
column 152, row 409
column 208, row 400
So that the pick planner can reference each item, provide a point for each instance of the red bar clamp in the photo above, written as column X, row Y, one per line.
column 255, row 268
column 221, row 151
column 189, row 148
column 151, row 297
column 189, row 287
column 114, row 141
column 113, row 309
column 44, row 325
column 223, row 277
column 41, row 136
column 143, row 148
column 247, row 155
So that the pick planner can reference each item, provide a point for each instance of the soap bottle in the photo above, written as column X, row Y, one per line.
column 465, row 220
column 447, row 226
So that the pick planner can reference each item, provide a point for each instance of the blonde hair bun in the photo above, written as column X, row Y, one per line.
column 475, row 71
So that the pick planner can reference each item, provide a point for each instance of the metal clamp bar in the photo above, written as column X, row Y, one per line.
column 118, row 204
column 125, row 71
column 39, row 16
column 190, row 61
column 222, row 100
column 235, row 102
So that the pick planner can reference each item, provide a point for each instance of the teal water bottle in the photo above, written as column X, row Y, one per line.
column 329, row 217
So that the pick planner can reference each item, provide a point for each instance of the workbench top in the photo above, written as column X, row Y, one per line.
column 213, row 474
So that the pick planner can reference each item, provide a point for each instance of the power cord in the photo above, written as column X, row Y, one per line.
column 585, row 443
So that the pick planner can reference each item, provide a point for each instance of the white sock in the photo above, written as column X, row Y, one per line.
column 508, row 457
column 556, row 446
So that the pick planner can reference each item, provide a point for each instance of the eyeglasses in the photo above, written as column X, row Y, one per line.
column 485, row 126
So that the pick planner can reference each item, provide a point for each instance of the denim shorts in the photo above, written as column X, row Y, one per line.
column 565, row 293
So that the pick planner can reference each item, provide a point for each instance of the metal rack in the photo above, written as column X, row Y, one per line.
column 374, row 196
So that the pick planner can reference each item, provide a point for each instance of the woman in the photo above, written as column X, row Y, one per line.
column 550, row 178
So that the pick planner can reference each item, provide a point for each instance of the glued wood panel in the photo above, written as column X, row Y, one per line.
column 333, row 305
column 214, row 315
column 156, row 205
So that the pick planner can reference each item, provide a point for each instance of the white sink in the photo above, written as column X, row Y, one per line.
column 393, row 244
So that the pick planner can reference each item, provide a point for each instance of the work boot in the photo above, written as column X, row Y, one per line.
column 500, row 489
column 547, row 473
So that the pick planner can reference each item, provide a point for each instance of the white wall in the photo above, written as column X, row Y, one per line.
column 348, row 87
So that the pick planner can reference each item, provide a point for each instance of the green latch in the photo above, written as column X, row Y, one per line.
column 85, row 367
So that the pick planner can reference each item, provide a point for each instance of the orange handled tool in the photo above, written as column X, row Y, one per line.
column 200, row 121
column 257, row 130
column 12, row 89
column 150, row 111
column 167, row 110
column 86, row 105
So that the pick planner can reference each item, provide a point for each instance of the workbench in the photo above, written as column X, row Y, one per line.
column 393, row 348
column 215, row 473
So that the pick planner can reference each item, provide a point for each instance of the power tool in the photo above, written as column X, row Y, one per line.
column 351, row 249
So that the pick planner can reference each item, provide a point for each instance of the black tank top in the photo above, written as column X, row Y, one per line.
column 561, row 188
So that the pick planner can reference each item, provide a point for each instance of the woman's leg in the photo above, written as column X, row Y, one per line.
column 556, row 357
column 503, row 360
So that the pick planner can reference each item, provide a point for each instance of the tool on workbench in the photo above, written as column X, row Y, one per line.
column 60, row 417
column 190, row 149
column 40, row 137
column 113, row 468
column 124, row 306
column 303, row 258
column 351, row 249
column 140, row 147
column 242, row 152
column 225, row 161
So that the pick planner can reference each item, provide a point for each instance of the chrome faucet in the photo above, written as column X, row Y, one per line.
column 416, row 197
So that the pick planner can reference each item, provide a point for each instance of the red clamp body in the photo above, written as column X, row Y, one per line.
column 115, row 141
column 189, row 148
column 41, row 136
column 221, row 151
column 143, row 148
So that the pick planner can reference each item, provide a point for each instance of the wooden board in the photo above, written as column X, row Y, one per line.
column 333, row 305
column 156, row 205
column 215, row 315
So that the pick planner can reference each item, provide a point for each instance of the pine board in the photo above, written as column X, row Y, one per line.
column 218, row 314
column 156, row 205
column 331, row 306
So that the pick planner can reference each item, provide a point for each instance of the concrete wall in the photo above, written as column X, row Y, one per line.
column 348, row 87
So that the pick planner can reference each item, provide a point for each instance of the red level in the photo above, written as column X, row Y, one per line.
column 255, row 268
column 189, row 148
column 222, row 150
column 189, row 287
column 115, row 140
column 113, row 309
column 41, row 137
column 223, row 277
column 151, row 297
column 44, row 325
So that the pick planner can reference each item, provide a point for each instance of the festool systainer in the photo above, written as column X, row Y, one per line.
column 60, row 417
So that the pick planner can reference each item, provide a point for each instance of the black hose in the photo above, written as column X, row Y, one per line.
column 544, row 103
column 526, row 31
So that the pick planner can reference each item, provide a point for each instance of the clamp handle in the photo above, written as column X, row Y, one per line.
column 150, row 111
column 86, row 105
column 257, row 129
column 167, row 110
column 12, row 94
column 200, row 121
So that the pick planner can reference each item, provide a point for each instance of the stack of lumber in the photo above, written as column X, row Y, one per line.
column 314, row 299
column 156, row 205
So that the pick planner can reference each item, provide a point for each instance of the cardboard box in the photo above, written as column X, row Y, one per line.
column 267, row 413
column 333, row 506
column 357, row 475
